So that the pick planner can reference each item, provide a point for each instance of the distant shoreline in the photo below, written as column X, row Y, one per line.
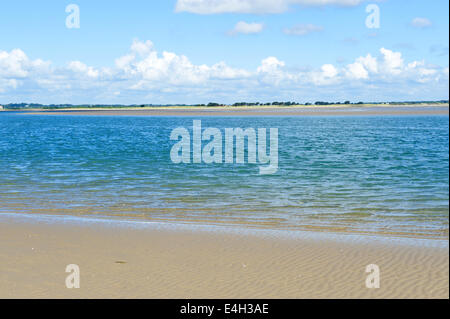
column 298, row 110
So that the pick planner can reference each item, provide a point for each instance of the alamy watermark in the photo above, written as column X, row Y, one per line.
column 190, row 150
column 73, row 19
column 73, row 279
column 373, row 19
column 373, row 279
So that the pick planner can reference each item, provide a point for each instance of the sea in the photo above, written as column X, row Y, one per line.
column 381, row 175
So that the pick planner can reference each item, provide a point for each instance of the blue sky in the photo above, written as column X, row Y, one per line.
column 224, row 51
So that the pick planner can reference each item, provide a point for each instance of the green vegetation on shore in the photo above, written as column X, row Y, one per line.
column 25, row 106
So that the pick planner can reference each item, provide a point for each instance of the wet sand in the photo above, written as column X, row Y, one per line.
column 124, row 261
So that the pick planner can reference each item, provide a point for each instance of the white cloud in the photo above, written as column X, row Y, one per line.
column 7, row 84
column 392, row 61
column 16, row 67
column 16, row 64
column 361, row 67
column 247, row 28
column 327, row 75
column 222, row 71
column 252, row 6
column 303, row 29
column 329, row 71
column 142, row 48
column 83, row 69
column 271, row 71
column 145, row 65
column 369, row 62
column 423, row 73
column 270, row 65
column 421, row 23
column 146, row 75
column 357, row 71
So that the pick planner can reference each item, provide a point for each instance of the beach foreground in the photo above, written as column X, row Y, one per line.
column 148, row 262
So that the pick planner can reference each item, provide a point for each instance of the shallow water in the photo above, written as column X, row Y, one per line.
column 362, row 174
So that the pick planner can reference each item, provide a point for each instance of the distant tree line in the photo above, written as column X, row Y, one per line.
column 15, row 106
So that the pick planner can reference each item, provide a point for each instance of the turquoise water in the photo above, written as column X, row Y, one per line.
column 362, row 174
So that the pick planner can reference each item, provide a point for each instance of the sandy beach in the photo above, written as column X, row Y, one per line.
column 123, row 261
column 257, row 111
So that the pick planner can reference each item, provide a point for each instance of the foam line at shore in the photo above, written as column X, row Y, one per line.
column 109, row 222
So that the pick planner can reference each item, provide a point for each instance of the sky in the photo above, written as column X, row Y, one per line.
column 225, row 51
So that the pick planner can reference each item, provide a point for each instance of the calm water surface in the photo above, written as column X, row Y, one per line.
column 374, row 174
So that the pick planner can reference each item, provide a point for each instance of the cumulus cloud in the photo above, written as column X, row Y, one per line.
column 329, row 71
column 252, row 6
column 246, row 28
column 16, row 64
column 272, row 72
column 16, row 67
column 327, row 74
column 392, row 61
column 357, row 71
column 421, row 23
column 83, row 69
column 145, row 65
column 361, row 67
column 270, row 65
column 144, row 74
column 302, row 29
